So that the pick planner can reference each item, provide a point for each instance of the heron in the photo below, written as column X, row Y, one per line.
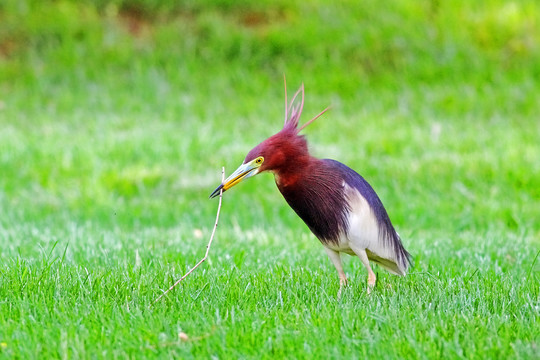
column 335, row 202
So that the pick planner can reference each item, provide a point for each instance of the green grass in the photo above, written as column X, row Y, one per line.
column 115, row 120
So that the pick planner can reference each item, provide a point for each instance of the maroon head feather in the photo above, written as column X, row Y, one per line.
column 287, row 142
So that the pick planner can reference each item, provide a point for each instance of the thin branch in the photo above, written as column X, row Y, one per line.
column 207, row 246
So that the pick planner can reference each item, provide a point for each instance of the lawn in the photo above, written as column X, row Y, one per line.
column 117, row 116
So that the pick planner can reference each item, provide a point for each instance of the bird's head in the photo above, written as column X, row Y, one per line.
column 284, row 149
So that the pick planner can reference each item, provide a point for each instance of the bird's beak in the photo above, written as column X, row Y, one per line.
column 243, row 172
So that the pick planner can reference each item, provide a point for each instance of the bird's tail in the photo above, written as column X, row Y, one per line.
column 397, row 259
column 391, row 266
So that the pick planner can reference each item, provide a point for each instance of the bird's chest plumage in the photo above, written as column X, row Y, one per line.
column 319, row 200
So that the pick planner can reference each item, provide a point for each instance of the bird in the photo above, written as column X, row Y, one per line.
column 335, row 202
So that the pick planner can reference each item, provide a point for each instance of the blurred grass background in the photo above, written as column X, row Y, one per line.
column 116, row 117
column 112, row 73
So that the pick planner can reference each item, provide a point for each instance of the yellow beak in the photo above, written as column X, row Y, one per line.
column 243, row 172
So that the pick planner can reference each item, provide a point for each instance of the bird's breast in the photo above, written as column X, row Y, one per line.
column 320, row 201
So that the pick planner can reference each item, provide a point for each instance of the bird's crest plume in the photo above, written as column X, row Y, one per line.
column 293, row 112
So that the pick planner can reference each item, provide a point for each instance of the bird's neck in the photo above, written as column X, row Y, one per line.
column 291, row 174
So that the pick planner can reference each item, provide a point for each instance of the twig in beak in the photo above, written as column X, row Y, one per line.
column 207, row 246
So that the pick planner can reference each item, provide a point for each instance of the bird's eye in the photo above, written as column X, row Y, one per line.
column 259, row 160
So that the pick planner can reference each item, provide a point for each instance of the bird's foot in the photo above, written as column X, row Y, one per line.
column 370, row 288
column 372, row 279
column 342, row 284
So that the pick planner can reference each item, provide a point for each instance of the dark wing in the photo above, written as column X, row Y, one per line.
column 387, row 233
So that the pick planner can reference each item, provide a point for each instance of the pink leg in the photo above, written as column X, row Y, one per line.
column 361, row 253
column 336, row 260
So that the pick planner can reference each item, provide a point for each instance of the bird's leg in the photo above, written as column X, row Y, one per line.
column 336, row 260
column 361, row 253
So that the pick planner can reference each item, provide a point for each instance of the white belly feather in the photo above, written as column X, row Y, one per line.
column 363, row 233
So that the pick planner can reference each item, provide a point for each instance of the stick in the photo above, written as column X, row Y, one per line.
column 207, row 246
